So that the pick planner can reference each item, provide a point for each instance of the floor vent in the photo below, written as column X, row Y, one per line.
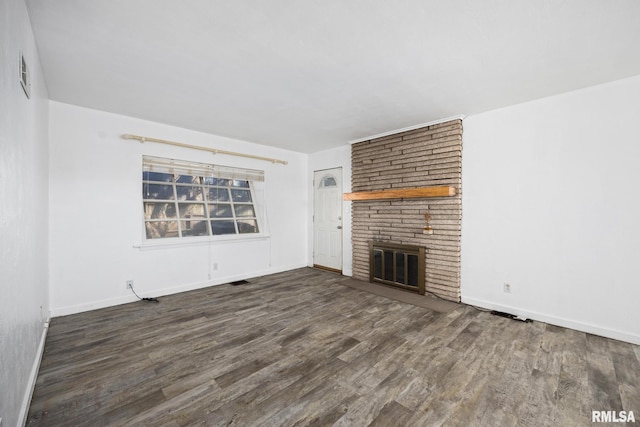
column 239, row 282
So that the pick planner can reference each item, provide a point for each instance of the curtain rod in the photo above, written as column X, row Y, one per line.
column 196, row 147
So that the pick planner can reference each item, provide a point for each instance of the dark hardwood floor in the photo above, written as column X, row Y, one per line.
column 298, row 348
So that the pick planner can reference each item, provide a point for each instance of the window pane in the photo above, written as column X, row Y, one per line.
column 215, row 181
column 218, row 195
column 220, row 211
column 157, row 191
column 189, row 192
column 244, row 210
column 160, row 229
column 241, row 195
column 239, row 183
column 154, row 210
column 156, row 176
column 223, row 227
column 328, row 181
column 191, row 210
column 194, row 228
column 187, row 179
column 247, row 226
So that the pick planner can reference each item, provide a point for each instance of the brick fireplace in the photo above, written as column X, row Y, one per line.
column 429, row 156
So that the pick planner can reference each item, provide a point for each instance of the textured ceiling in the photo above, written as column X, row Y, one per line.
column 312, row 75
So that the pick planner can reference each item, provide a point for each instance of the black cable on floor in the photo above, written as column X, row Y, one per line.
column 143, row 299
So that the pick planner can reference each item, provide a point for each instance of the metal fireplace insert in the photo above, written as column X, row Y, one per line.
column 397, row 265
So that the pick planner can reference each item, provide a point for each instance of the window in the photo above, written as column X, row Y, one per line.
column 186, row 199
column 328, row 181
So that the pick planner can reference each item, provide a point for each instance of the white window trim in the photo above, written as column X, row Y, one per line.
column 177, row 242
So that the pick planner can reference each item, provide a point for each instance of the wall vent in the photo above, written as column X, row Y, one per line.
column 25, row 78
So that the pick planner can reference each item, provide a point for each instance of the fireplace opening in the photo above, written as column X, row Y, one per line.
column 397, row 265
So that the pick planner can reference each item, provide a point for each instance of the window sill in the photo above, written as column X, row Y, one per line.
column 177, row 242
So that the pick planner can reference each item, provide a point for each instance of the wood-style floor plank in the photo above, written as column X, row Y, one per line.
column 301, row 349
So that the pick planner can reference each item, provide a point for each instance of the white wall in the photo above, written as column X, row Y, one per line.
column 96, row 213
column 24, row 300
column 550, row 205
column 329, row 159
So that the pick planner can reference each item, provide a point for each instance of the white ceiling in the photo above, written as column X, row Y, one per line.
column 311, row 75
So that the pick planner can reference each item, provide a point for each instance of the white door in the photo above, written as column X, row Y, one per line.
column 327, row 219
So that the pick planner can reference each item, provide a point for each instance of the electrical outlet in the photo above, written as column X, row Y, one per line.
column 215, row 266
column 129, row 284
column 507, row 288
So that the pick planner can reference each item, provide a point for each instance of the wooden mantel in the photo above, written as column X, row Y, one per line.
column 402, row 193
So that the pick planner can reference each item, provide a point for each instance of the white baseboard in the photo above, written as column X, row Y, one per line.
column 33, row 377
column 110, row 302
column 554, row 320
